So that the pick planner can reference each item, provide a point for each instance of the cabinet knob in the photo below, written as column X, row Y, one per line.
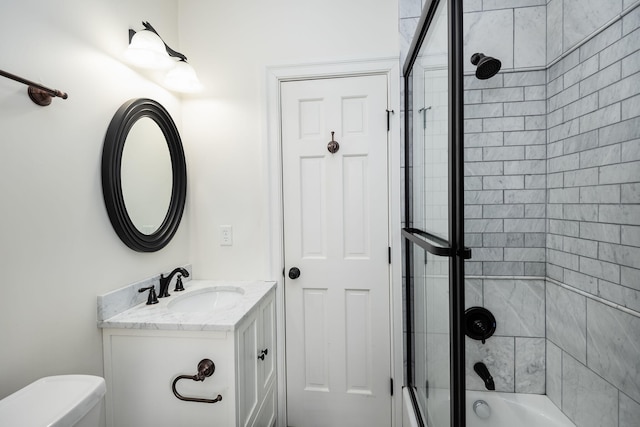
column 263, row 353
column 294, row 273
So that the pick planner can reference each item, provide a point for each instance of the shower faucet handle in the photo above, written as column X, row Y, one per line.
column 480, row 323
column 479, row 326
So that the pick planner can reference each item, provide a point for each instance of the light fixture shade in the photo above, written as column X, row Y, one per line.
column 147, row 50
column 182, row 78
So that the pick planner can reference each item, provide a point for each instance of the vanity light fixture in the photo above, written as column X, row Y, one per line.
column 147, row 50
column 182, row 78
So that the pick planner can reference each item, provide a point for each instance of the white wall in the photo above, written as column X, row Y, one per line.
column 58, row 250
column 231, row 43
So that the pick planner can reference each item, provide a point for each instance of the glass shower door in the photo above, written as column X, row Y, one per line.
column 430, row 214
column 434, row 252
column 431, row 356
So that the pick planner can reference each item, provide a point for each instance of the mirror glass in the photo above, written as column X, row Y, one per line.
column 146, row 175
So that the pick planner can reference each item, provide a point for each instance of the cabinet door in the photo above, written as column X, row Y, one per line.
column 267, row 415
column 140, row 369
column 248, row 391
column 267, row 341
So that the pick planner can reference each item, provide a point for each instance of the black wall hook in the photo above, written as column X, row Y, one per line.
column 333, row 145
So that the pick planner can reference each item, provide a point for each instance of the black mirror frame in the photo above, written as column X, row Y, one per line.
column 126, row 116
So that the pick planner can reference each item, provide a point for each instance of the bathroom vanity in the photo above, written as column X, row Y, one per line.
column 147, row 347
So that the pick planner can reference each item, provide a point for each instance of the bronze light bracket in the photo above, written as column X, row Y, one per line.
column 39, row 94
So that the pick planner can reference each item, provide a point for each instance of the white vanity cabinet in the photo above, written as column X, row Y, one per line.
column 141, row 365
column 256, row 373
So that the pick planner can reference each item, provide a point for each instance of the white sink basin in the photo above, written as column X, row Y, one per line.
column 217, row 298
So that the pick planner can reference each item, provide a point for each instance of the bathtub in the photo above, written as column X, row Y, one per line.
column 507, row 410
column 515, row 409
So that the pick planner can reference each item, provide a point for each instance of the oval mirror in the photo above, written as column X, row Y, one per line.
column 144, row 175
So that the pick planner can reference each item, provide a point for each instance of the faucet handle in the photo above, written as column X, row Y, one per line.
column 153, row 299
column 179, row 287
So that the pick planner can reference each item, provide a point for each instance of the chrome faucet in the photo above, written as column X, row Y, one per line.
column 482, row 370
column 164, row 281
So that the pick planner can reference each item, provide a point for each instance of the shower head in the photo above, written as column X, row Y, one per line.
column 487, row 65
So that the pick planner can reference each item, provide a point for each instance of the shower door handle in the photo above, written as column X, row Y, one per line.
column 294, row 273
column 433, row 244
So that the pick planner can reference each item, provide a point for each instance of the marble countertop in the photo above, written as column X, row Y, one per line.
column 161, row 317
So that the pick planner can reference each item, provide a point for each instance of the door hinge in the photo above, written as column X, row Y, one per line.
column 389, row 113
column 391, row 383
column 389, row 254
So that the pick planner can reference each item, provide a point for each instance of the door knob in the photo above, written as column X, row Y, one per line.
column 294, row 273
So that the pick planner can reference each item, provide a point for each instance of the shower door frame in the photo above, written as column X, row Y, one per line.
column 454, row 248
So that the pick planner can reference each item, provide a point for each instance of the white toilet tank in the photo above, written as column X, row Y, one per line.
column 58, row 401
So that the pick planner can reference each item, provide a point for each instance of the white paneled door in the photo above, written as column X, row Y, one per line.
column 336, row 234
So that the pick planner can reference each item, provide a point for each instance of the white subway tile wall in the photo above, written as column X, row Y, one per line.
column 512, row 172
column 552, row 190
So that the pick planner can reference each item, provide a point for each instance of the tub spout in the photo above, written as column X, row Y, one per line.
column 482, row 371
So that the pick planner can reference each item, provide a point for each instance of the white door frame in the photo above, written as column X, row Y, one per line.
column 274, row 200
